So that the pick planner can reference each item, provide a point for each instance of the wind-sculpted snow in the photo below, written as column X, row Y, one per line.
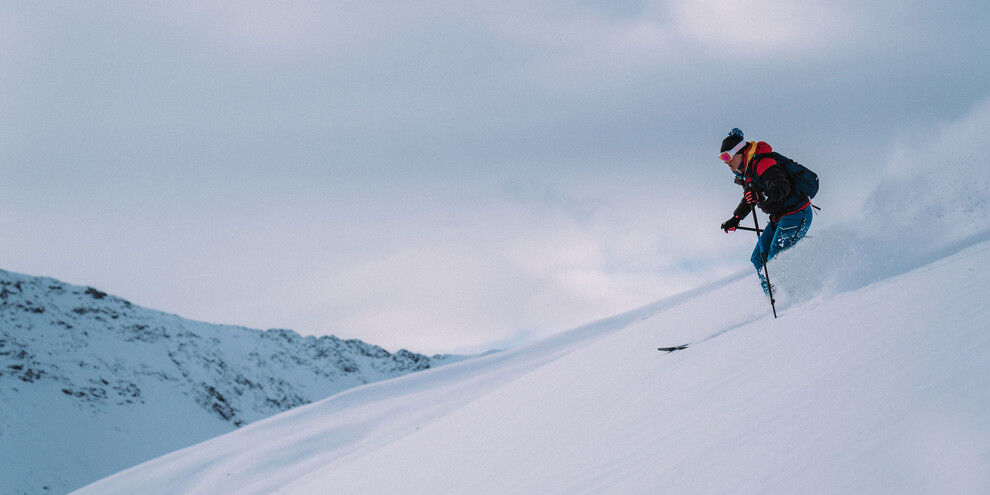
column 91, row 384
column 879, row 390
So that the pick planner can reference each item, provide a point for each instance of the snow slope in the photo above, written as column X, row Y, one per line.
column 875, row 379
column 91, row 384
column 884, row 389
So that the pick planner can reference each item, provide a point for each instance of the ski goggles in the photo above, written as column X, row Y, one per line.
column 726, row 156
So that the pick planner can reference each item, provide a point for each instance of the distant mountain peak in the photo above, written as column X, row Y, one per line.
column 146, row 382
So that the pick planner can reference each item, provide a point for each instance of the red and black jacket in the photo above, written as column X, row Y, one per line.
column 764, row 175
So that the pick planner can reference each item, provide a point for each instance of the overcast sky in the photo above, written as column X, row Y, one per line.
column 444, row 176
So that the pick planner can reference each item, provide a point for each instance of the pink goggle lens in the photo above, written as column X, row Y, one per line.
column 726, row 156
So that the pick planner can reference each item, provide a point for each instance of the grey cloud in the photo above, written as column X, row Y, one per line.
column 318, row 138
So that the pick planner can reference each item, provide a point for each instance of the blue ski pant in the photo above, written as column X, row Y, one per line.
column 778, row 236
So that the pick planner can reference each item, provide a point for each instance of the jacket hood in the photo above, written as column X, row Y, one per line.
column 754, row 148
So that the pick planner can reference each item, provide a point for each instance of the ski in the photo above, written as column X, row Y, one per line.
column 672, row 349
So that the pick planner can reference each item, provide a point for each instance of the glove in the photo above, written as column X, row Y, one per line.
column 752, row 197
column 730, row 224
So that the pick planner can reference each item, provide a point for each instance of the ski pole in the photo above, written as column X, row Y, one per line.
column 763, row 254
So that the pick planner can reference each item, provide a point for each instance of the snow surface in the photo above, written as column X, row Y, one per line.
column 884, row 389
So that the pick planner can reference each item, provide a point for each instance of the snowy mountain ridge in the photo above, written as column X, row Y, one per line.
column 79, row 366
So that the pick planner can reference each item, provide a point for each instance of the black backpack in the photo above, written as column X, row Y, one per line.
column 805, row 181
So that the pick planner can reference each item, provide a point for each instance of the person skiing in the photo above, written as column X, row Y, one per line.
column 767, row 183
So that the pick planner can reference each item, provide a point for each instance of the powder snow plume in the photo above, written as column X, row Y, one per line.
column 933, row 200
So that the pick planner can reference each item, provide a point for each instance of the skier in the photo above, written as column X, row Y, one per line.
column 767, row 183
